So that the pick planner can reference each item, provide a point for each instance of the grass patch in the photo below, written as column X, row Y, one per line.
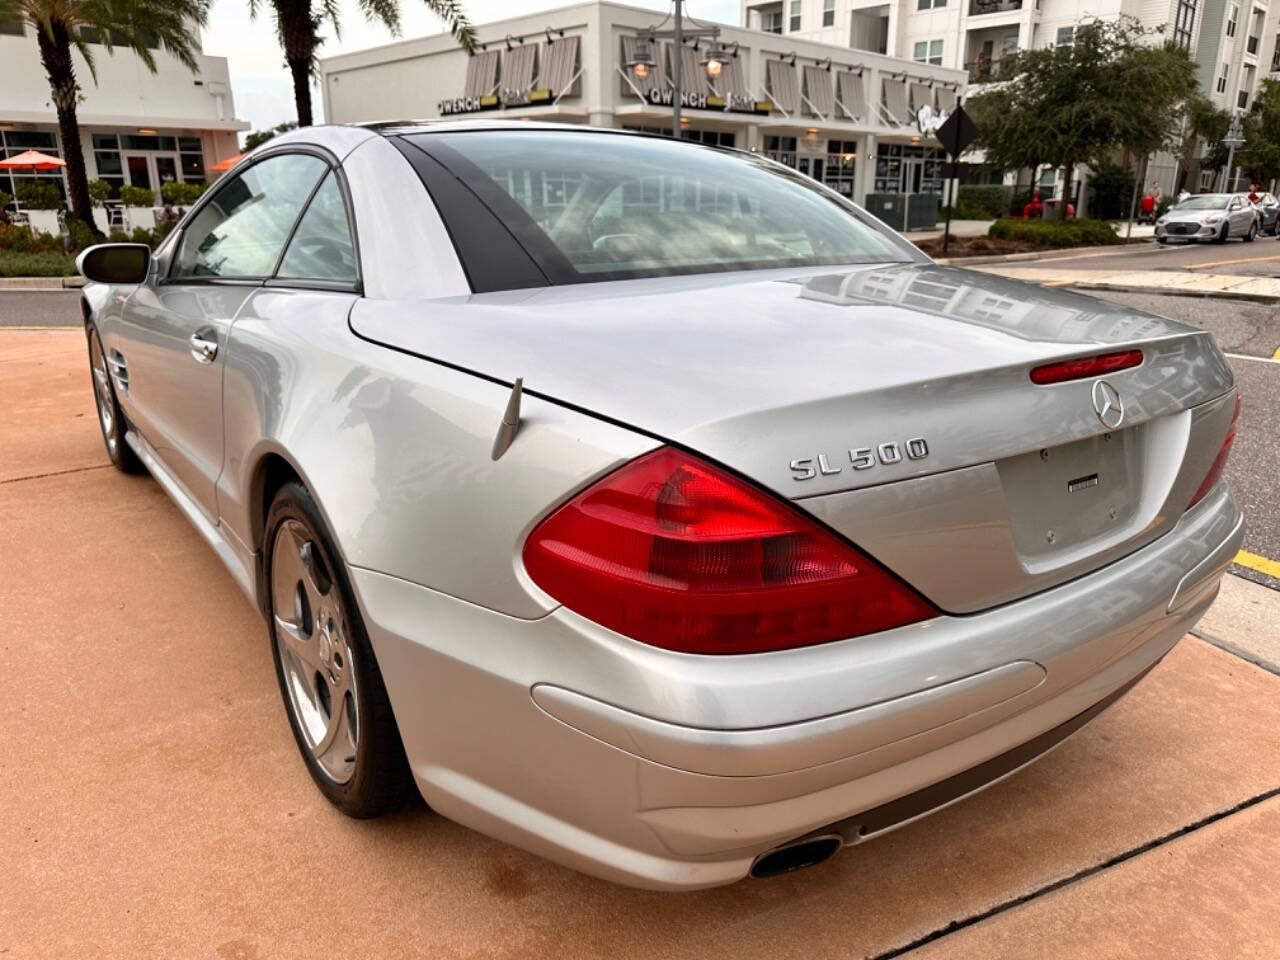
column 15, row 264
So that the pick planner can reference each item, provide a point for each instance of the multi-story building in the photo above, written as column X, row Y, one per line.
column 136, row 127
column 1234, row 42
column 846, row 117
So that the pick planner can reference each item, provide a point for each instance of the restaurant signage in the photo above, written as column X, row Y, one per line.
column 731, row 103
column 467, row 105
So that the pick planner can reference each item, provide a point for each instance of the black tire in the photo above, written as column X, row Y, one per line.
column 1253, row 232
column 1223, row 234
column 111, row 420
column 1162, row 240
column 381, row 780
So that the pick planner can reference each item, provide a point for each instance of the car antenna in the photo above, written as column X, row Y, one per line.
column 510, row 420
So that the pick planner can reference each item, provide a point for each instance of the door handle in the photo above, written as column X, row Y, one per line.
column 203, row 345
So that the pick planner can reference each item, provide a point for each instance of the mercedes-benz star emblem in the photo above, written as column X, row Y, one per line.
column 1107, row 404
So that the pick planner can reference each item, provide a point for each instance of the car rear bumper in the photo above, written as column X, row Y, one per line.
column 673, row 771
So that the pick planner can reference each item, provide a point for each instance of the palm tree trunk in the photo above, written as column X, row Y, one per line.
column 55, row 55
column 298, row 31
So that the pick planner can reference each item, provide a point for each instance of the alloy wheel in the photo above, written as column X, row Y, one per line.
column 315, row 651
column 102, row 392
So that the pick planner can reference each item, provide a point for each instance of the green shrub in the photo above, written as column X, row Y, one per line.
column 181, row 194
column 964, row 210
column 16, row 264
column 1111, row 192
column 132, row 196
column 81, row 234
column 993, row 200
column 5, row 199
column 118, row 236
column 21, row 239
column 1055, row 233
column 39, row 195
column 143, row 235
column 99, row 191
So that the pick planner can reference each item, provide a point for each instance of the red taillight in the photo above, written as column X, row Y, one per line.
column 1097, row 366
column 1220, row 461
column 675, row 552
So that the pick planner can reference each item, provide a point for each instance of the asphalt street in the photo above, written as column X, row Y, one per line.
column 1261, row 258
column 39, row 308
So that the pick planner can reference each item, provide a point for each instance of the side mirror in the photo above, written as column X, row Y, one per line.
column 115, row 263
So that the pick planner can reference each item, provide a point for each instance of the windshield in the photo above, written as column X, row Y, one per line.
column 1212, row 201
column 618, row 206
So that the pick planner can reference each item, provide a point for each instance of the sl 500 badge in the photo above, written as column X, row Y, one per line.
column 861, row 458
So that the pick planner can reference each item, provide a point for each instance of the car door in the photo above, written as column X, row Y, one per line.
column 174, row 330
column 1240, row 214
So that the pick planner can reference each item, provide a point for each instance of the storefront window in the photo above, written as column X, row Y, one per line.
column 838, row 174
column 908, row 168
column 17, row 141
column 712, row 138
column 782, row 149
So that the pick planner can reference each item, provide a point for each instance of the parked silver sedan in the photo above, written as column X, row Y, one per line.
column 650, row 506
column 1209, row 216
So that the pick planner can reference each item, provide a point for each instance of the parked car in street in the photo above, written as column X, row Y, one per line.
column 1268, row 209
column 1209, row 216
column 651, row 506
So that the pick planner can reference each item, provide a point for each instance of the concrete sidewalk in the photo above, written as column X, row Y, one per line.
column 154, row 805
column 1264, row 289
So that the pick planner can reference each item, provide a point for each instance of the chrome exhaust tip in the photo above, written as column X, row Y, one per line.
column 796, row 855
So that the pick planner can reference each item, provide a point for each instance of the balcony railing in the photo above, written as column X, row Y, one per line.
column 986, row 71
column 979, row 7
column 1252, row 45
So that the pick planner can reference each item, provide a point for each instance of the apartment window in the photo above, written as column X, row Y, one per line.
column 1242, row 99
column 828, row 13
column 1184, row 23
column 928, row 51
column 1222, row 80
column 1275, row 56
column 771, row 21
column 928, row 4
column 1233, row 14
column 1066, row 37
column 794, row 25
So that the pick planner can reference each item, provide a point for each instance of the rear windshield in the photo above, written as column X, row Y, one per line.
column 618, row 206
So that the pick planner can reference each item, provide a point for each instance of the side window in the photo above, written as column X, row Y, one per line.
column 240, row 232
column 321, row 248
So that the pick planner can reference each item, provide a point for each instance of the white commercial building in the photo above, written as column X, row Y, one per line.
column 1234, row 42
column 136, row 127
column 846, row 117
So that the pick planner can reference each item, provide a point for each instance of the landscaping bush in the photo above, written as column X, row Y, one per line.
column 181, row 194
column 143, row 235
column 118, row 236
column 81, row 234
column 99, row 191
column 964, row 210
column 132, row 196
column 22, row 239
column 18, row 264
column 1055, row 233
column 39, row 195
column 993, row 201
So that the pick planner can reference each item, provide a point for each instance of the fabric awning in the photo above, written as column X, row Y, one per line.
column 693, row 75
column 946, row 99
column 895, row 101
column 732, row 82
column 482, row 73
column 783, row 85
column 852, row 95
column 223, row 165
column 921, row 96
column 559, row 64
column 517, row 73
column 819, row 90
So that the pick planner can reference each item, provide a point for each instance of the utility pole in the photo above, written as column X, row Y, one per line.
column 1233, row 139
column 677, row 69
column 678, row 33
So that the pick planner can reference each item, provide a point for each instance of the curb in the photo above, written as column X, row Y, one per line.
column 39, row 284
column 1036, row 254
column 1169, row 291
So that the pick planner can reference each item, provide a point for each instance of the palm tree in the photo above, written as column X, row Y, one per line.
column 298, row 27
column 136, row 25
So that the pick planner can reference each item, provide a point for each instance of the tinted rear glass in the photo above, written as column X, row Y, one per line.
column 612, row 206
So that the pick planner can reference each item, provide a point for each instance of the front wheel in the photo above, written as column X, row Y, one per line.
column 110, row 417
column 329, row 679
column 1223, row 234
column 1253, row 232
column 1162, row 240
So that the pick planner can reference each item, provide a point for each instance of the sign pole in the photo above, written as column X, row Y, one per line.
column 955, row 134
column 951, row 196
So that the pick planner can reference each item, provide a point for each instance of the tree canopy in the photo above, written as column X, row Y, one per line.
column 1259, row 156
column 1116, row 85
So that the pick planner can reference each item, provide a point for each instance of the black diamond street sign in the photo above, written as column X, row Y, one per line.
column 957, row 132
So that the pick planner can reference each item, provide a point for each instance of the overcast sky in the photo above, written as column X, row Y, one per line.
column 260, row 83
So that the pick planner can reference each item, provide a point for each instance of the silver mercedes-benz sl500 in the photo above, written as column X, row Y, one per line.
column 650, row 506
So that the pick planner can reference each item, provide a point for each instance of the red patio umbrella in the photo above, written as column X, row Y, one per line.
column 223, row 165
column 32, row 160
